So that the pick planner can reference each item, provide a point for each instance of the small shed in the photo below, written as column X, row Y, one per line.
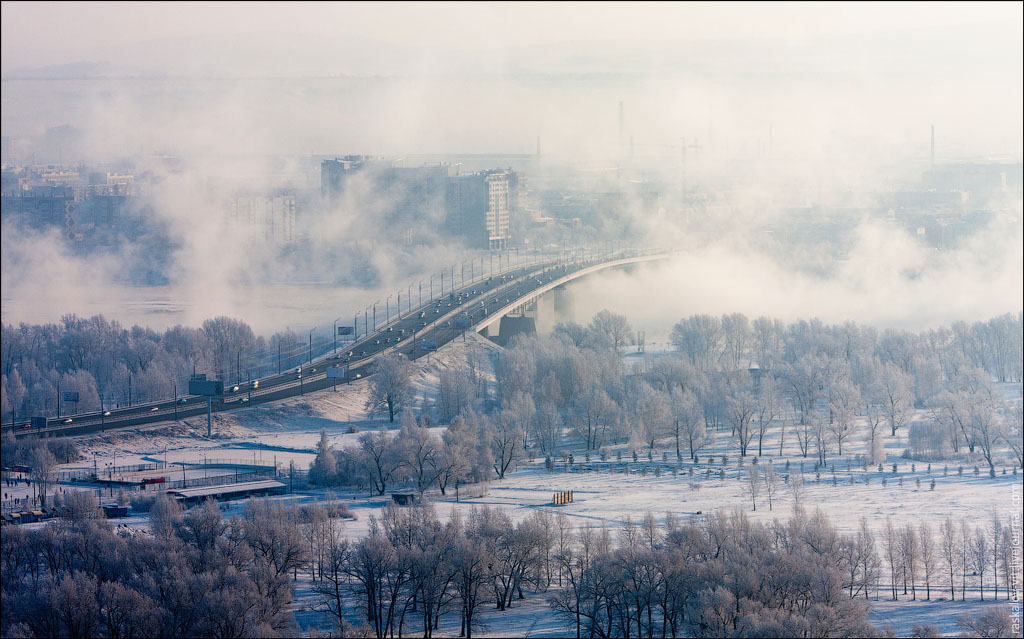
column 405, row 499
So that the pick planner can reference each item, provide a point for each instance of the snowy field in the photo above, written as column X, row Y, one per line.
column 605, row 492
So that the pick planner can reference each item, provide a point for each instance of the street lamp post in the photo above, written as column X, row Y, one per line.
column 420, row 298
column 431, row 287
column 311, row 344
column 355, row 326
column 375, row 314
column 408, row 299
column 366, row 322
column 387, row 309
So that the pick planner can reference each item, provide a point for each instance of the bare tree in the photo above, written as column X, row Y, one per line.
column 332, row 584
column 995, row 622
column 613, row 328
column 926, row 543
column 379, row 457
column 689, row 421
column 753, row 484
column 996, row 533
column 453, row 463
column 893, row 555
column 767, row 407
column 985, row 428
column 506, row 439
column 910, row 559
column 894, row 386
column 44, row 470
column 874, row 415
column 950, row 547
column 979, row 557
column 844, row 399
column 419, row 450
column 796, row 486
column 771, row 482
column 1013, row 431
column 390, row 384
column 699, row 338
column 741, row 405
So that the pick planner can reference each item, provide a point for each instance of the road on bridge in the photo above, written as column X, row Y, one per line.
column 416, row 333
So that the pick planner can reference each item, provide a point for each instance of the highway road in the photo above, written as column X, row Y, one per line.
column 414, row 333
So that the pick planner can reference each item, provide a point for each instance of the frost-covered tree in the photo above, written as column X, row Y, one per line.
column 391, row 384
column 897, row 398
column 379, row 458
column 324, row 468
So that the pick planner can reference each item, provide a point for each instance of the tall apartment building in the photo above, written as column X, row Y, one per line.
column 497, row 210
column 272, row 217
column 479, row 206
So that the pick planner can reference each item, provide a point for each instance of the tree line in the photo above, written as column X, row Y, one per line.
column 759, row 386
column 111, row 366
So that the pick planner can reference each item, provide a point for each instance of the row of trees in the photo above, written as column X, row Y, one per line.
column 916, row 554
column 822, row 396
column 196, row 575
column 474, row 448
column 108, row 365
column 721, row 576
column 733, row 341
column 827, row 384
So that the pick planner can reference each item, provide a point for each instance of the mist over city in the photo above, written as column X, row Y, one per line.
column 535, row 308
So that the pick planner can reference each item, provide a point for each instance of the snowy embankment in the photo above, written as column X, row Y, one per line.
column 289, row 428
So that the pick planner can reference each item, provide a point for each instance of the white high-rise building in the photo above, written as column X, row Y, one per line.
column 497, row 210
column 272, row 217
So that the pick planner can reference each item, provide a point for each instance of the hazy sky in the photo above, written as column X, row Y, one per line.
column 838, row 97
column 42, row 33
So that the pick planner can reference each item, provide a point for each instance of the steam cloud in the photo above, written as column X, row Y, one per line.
column 822, row 122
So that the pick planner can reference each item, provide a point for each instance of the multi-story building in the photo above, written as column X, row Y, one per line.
column 41, row 206
column 270, row 217
column 497, row 210
column 475, row 206
column 479, row 207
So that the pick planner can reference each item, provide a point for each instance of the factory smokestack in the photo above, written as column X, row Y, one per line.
column 933, row 145
column 622, row 123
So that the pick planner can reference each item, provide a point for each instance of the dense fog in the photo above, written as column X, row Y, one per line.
column 729, row 146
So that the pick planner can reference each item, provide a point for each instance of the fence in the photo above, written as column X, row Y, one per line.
column 109, row 471
column 217, row 480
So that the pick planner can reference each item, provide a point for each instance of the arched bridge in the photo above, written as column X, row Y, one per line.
column 476, row 305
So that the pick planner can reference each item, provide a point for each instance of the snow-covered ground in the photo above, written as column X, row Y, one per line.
column 605, row 492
